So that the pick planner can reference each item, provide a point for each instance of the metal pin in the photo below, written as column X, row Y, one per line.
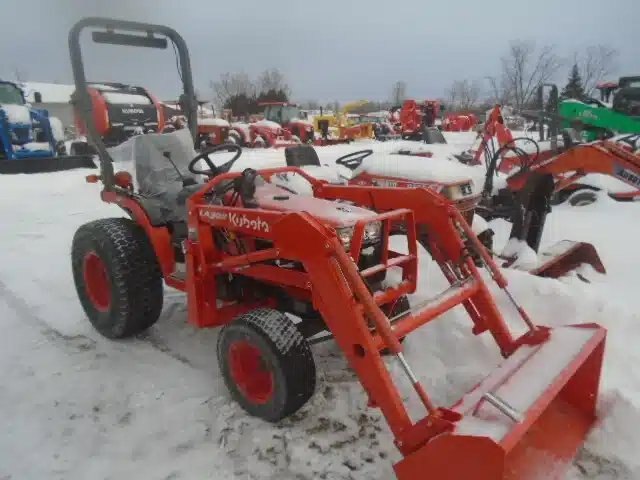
column 503, row 406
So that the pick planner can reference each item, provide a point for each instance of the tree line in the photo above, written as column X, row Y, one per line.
column 243, row 95
column 523, row 67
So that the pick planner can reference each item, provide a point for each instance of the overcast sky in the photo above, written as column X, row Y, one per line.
column 329, row 50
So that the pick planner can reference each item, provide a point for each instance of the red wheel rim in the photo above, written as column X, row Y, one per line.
column 249, row 372
column 96, row 281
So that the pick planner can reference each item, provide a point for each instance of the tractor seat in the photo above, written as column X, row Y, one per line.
column 160, row 162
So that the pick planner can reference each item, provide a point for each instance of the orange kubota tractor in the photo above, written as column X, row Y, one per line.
column 246, row 251
column 417, row 118
column 119, row 112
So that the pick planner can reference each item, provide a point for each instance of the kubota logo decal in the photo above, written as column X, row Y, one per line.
column 243, row 221
column 627, row 175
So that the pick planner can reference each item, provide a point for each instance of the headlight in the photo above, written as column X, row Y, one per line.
column 345, row 234
column 372, row 232
column 458, row 192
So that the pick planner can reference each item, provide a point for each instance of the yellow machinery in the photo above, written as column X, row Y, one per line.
column 341, row 126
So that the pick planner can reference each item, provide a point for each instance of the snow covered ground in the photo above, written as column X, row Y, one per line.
column 74, row 405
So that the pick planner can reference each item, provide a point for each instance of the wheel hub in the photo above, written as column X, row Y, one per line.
column 250, row 373
column 96, row 281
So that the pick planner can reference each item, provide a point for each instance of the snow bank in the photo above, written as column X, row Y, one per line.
column 525, row 257
column 17, row 113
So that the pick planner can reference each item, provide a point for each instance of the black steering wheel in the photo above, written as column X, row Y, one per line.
column 354, row 160
column 213, row 170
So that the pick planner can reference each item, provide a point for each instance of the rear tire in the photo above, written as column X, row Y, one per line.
column 266, row 364
column 117, row 276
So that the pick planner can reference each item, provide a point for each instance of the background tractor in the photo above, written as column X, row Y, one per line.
column 119, row 112
column 289, row 116
column 30, row 140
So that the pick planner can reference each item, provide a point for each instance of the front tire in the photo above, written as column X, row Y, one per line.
column 117, row 276
column 235, row 138
column 266, row 364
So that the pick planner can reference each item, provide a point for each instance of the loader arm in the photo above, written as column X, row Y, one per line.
column 606, row 157
column 494, row 127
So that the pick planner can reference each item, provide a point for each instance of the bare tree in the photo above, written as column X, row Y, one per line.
column 20, row 74
column 399, row 92
column 525, row 67
column 273, row 80
column 463, row 95
column 596, row 63
column 310, row 105
column 231, row 85
column 499, row 92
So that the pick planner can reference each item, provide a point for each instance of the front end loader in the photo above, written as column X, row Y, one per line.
column 247, row 252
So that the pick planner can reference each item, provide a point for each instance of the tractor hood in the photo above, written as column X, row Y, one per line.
column 334, row 214
column 301, row 122
column 268, row 125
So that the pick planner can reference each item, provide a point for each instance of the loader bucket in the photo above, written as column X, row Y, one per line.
column 46, row 164
column 526, row 420
column 565, row 256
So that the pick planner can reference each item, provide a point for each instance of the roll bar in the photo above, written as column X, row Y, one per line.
column 107, row 35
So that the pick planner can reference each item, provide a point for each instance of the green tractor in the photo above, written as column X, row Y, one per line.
column 596, row 120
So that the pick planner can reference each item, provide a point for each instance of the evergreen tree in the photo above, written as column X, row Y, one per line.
column 242, row 104
column 273, row 95
column 574, row 87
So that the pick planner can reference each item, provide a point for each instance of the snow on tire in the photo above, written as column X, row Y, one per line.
column 260, row 142
column 266, row 364
column 235, row 138
column 583, row 198
column 117, row 276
